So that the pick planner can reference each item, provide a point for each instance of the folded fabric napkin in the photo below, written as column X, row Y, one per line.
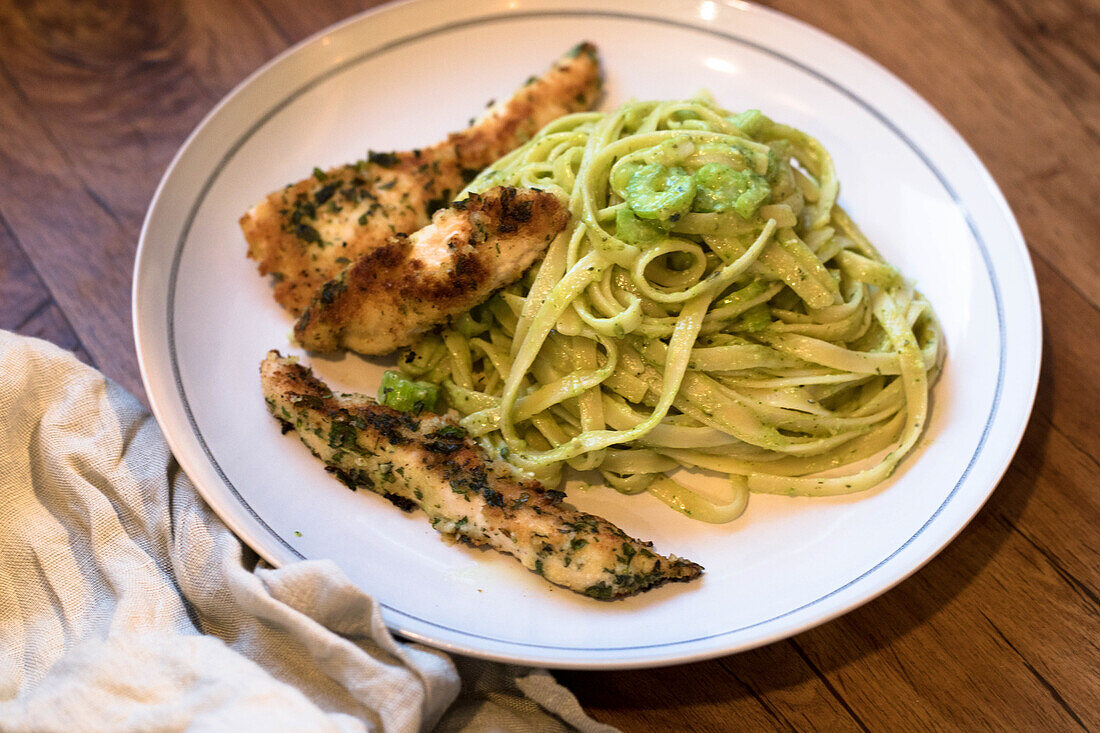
column 126, row 604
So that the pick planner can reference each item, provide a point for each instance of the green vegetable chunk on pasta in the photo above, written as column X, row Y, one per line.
column 659, row 192
column 752, row 122
column 632, row 230
column 402, row 393
column 720, row 187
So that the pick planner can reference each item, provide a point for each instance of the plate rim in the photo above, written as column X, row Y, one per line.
column 504, row 650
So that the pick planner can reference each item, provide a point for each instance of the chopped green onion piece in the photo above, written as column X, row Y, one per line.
column 632, row 230
column 658, row 192
column 752, row 122
column 719, row 187
column 401, row 393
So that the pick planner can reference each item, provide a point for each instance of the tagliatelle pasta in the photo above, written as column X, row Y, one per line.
column 711, row 306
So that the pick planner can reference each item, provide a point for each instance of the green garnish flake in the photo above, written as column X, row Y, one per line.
column 385, row 160
column 307, row 233
column 601, row 591
column 342, row 435
column 582, row 47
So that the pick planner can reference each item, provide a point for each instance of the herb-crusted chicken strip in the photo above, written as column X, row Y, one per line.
column 427, row 461
column 395, row 293
column 306, row 233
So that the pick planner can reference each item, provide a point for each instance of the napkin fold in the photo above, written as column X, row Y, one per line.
column 126, row 604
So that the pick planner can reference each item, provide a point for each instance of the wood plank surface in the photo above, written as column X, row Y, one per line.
column 1001, row 631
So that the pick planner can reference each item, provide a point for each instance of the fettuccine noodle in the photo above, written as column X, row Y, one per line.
column 711, row 306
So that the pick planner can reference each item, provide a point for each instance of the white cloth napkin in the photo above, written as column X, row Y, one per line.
column 126, row 605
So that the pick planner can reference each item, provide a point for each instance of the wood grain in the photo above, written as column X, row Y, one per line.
column 26, row 306
column 998, row 632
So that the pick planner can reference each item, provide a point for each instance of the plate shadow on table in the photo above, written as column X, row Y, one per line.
column 885, row 621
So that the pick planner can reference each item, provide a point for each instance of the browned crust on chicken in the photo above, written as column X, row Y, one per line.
column 305, row 234
column 396, row 292
column 426, row 461
column 571, row 85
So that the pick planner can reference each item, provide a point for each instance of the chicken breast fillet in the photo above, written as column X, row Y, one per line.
column 396, row 292
column 306, row 233
column 427, row 461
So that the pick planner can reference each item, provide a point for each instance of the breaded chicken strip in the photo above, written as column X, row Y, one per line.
column 427, row 461
column 397, row 292
column 306, row 233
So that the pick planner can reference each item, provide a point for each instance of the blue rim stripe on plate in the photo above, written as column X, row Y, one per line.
column 508, row 17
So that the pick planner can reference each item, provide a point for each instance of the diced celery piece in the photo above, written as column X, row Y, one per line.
column 401, row 393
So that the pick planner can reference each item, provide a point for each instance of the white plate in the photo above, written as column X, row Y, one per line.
column 407, row 75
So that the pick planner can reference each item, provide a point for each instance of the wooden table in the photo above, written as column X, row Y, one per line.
column 1000, row 631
